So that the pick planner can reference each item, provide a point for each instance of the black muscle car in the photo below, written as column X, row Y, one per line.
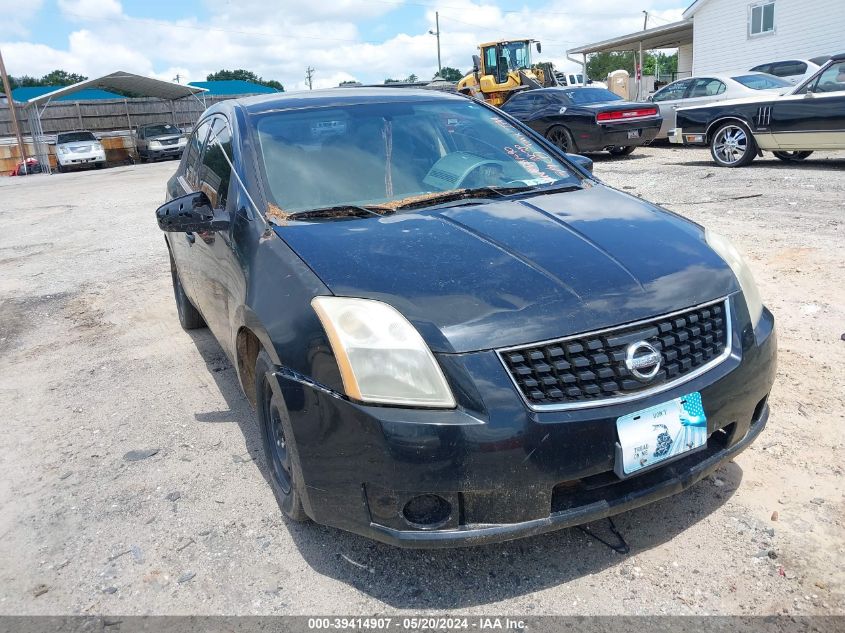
column 793, row 125
column 586, row 119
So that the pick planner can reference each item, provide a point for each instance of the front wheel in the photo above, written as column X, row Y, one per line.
column 561, row 137
column 189, row 317
column 733, row 146
column 792, row 156
column 279, row 449
column 622, row 151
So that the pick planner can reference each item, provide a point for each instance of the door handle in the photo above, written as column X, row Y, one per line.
column 190, row 237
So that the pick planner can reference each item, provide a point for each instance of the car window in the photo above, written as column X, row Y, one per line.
column 376, row 153
column 580, row 96
column 788, row 69
column 672, row 92
column 762, row 68
column 160, row 130
column 761, row 81
column 75, row 137
column 193, row 152
column 831, row 80
column 706, row 87
column 216, row 170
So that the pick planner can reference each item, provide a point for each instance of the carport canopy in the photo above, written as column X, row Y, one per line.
column 666, row 36
column 126, row 83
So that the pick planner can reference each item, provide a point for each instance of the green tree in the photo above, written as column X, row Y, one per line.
column 450, row 74
column 61, row 78
column 244, row 75
column 411, row 78
column 600, row 64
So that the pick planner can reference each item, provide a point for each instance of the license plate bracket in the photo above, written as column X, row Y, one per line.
column 660, row 433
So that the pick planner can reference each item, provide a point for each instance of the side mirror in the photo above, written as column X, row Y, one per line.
column 476, row 63
column 582, row 161
column 539, row 48
column 190, row 213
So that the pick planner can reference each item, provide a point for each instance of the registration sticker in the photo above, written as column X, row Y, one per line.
column 659, row 433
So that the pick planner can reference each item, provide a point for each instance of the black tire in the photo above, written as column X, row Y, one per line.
column 560, row 136
column 733, row 145
column 59, row 168
column 189, row 316
column 620, row 150
column 791, row 157
column 277, row 435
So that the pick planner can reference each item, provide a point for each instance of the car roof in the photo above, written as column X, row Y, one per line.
column 340, row 97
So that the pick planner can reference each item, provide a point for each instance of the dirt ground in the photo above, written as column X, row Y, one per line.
column 93, row 365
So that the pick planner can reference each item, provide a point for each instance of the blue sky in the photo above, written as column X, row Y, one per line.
column 366, row 40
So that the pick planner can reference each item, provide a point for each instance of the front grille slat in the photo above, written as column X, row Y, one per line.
column 589, row 368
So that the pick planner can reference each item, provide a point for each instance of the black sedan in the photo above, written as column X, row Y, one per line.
column 792, row 126
column 451, row 333
column 586, row 119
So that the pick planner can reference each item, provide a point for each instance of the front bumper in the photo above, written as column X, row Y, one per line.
column 166, row 151
column 678, row 137
column 81, row 158
column 506, row 471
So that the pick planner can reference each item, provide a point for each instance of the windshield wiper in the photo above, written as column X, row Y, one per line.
column 486, row 192
column 342, row 211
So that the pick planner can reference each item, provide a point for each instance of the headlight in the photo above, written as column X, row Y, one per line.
column 155, row 144
column 382, row 357
column 736, row 261
column 64, row 150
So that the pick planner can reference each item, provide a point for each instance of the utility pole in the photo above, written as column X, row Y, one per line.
column 437, row 33
column 13, row 111
column 645, row 22
column 309, row 77
column 176, row 78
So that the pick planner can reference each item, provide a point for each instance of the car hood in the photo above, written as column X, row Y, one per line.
column 510, row 272
column 163, row 137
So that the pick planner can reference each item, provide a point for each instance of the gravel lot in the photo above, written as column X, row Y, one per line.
column 93, row 365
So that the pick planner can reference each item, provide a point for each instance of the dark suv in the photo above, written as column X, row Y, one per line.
column 451, row 332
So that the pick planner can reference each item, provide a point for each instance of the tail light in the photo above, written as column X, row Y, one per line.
column 624, row 115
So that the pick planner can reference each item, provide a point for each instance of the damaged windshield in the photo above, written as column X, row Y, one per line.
column 386, row 154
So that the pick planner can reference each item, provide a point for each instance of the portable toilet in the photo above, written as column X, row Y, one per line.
column 617, row 83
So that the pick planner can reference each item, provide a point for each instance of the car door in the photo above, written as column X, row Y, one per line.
column 814, row 118
column 182, row 244
column 217, row 268
column 668, row 99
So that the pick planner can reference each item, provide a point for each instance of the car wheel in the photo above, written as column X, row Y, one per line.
column 59, row 168
column 622, row 150
column 279, row 449
column 561, row 137
column 733, row 146
column 189, row 317
column 792, row 156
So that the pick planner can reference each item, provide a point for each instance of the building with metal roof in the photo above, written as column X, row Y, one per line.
column 24, row 94
column 232, row 88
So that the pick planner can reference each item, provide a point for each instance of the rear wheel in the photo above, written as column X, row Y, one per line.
column 561, row 137
column 733, row 146
column 189, row 316
column 620, row 150
column 278, row 441
column 792, row 156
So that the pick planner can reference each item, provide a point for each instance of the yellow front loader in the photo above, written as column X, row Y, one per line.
column 503, row 69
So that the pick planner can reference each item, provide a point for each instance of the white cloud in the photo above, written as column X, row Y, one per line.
column 279, row 40
column 15, row 16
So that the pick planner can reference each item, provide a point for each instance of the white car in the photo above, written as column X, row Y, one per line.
column 75, row 149
column 710, row 88
column 792, row 70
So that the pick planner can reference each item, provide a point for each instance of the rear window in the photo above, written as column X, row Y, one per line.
column 762, row 82
column 75, row 137
column 580, row 96
column 383, row 152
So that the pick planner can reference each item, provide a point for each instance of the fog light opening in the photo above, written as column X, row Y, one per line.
column 427, row 512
